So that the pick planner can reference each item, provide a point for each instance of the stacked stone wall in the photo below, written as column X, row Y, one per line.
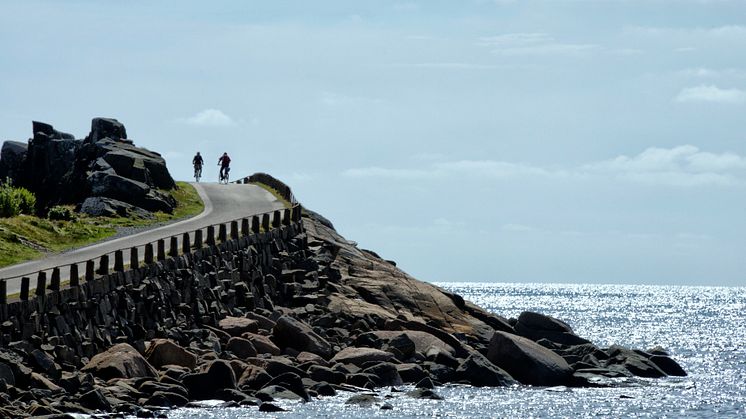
column 160, row 299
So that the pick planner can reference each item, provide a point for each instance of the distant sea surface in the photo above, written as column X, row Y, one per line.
column 703, row 328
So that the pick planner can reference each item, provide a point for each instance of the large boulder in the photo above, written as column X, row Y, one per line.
column 12, row 159
column 423, row 341
column 139, row 194
column 292, row 333
column 537, row 326
column 59, row 169
column 99, row 206
column 527, row 361
column 106, row 128
column 236, row 326
column 480, row 372
column 166, row 352
column 359, row 356
column 119, row 361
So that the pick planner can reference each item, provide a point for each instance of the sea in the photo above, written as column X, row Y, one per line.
column 703, row 328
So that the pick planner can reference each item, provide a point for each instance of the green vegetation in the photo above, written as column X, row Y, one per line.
column 26, row 237
column 15, row 201
column 274, row 192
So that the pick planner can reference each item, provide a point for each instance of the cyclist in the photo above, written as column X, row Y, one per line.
column 224, row 161
column 197, row 162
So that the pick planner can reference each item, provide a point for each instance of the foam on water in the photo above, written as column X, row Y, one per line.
column 704, row 329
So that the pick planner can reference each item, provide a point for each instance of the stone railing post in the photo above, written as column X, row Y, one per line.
column 173, row 249
column 149, row 253
column 296, row 213
column 286, row 217
column 41, row 284
column 54, row 283
column 134, row 258
column 103, row 265
column 185, row 243
column 222, row 233
column 74, row 276
column 255, row 226
column 90, row 270
column 211, row 236
column 118, row 261
column 161, row 250
column 3, row 291
column 198, row 239
column 265, row 222
column 25, row 284
column 276, row 219
column 245, row 228
column 234, row 230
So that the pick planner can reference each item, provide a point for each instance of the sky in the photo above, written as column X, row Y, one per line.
column 488, row 141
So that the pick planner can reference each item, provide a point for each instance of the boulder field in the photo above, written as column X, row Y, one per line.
column 319, row 315
column 105, row 174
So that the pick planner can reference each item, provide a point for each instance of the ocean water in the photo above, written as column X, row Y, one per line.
column 703, row 328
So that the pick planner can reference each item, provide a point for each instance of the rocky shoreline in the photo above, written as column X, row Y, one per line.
column 303, row 315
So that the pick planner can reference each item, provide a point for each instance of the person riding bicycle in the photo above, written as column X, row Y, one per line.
column 224, row 161
column 197, row 161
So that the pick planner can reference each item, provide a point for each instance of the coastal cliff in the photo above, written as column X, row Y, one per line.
column 292, row 310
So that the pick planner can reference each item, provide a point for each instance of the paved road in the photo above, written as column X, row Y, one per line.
column 223, row 203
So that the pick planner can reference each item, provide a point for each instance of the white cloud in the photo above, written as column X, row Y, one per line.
column 335, row 99
column 711, row 94
column 521, row 228
column 733, row 32
column 711, row 73
column 681, row 166
column 209, row 118
column 479, row 168
column 678, row 166
column 532, row 43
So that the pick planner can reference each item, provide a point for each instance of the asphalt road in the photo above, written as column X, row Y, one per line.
column 223, row 203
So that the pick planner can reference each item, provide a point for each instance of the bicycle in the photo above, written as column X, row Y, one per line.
column 197, row 172
column 224, row 175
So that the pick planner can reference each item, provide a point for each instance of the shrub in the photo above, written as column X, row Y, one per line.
column 26, row 200
column 58, row 212
column 9, row 205
column 14, row 201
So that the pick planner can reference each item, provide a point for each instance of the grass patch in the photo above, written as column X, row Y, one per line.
column 274, row 192
column 26, row 237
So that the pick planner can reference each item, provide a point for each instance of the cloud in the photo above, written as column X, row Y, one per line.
column 682, row 166
column 532, row 43
column 332, row 99
column 711, row 94
column 711, row 73
column 209, row 118
column 520, row 228
column 732, row 32
column 478, row 168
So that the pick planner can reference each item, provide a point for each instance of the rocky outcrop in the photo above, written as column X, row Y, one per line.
column 294, row 313
column 527, row 361
column 106, row 166
column 119, row 361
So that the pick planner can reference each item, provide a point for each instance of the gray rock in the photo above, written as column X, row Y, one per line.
column 359, row 356
column 668, row 365
column 385, row 374
column 12, row 159
column 527, row 361
column 537, row 326
column 119, row 361
column 106, row 128
column 480, row 372
column 364, row 400
column 291, row 333
column 242, row 348
column 98, row 206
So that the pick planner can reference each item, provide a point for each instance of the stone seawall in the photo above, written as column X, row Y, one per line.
column 191, row 290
